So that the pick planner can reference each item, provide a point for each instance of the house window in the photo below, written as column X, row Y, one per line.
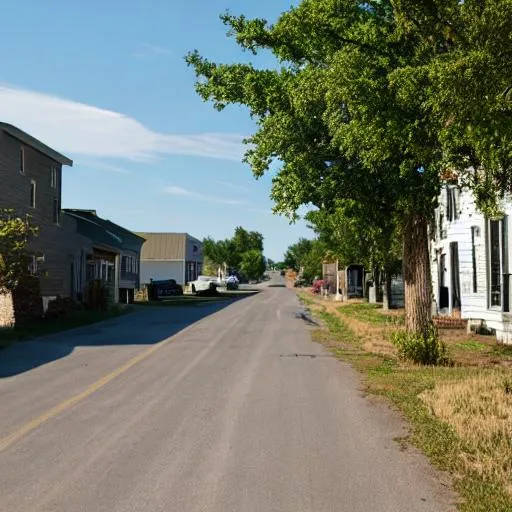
column 474, row 231
column 32, row 265
column 442, row 229
column 494, row 263
column 452, row 203
column 56, row 211
column 33, row 194
column 194, row 248
column 22, row 161
column 128, row 265
column 53, row 177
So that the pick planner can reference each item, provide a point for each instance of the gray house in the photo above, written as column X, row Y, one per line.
column 110, row 254
column 177, row 256
column 31, row 184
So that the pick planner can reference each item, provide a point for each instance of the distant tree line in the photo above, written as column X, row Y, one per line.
column 242, row 253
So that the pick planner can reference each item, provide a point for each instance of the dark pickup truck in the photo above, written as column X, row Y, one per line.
column 164, row 289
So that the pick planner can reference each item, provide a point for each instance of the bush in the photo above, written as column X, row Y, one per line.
column 61, row 307
column 98, row 296
column 427, row 349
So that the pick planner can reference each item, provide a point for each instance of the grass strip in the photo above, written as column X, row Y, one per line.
column 481, row 467
column 74, row 319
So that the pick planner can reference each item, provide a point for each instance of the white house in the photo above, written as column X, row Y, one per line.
column 177, row 256
column 470, row 263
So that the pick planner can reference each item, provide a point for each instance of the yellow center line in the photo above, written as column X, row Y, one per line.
column 28, row 427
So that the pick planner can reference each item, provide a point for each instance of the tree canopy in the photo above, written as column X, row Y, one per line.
column 253, row 264
column 231, row 251
column 372, row 102
column 306, row 256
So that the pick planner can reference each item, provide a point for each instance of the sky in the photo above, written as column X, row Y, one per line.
column 105, row 83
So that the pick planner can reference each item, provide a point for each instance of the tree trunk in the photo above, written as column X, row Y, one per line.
column 386, row 291
column 417, row 279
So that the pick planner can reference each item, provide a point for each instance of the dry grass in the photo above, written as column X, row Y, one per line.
column 460, row 416
column 479, row 408
column 373, row 327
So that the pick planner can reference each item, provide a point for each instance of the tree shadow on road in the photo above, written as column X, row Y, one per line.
column 145, row 326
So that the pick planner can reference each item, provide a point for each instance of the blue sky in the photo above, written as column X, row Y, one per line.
column 106, row 84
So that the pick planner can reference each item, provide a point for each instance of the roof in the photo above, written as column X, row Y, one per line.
column 36, row 144
column 165, row 246
column 103, row 232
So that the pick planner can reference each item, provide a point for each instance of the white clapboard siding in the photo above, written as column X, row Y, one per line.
column 474, row 305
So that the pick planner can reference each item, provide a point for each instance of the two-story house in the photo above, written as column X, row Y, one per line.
column 470, row 262
column 31, row 185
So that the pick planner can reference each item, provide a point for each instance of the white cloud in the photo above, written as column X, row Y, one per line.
column 80, row 129
column 147, row 49
column 232, row 186
column 179, row 191
column 261, row 211
column 103, row 166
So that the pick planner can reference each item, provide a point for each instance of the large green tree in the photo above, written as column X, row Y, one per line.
column 306, row 256
column 353, row 235
column 230, row 251
column 379, row 95
column 253, row 264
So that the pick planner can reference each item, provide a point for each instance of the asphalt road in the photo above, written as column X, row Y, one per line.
column 221, row 408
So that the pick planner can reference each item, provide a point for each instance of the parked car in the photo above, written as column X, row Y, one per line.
column 163, row 289
column 204, row 284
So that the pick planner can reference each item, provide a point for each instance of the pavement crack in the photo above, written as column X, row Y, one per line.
column 310, row 356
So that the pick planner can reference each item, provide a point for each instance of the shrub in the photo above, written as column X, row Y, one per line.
column 98, row 296
column 427, row 349
column 61, row 307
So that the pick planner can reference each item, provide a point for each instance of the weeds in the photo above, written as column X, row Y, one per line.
column 460, row 417
column 371, row 313
column 479, row 409
column 420, row 348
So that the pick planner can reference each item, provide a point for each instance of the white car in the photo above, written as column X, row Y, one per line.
column 204, row 284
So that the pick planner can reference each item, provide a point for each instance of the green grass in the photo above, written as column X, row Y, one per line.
column 471, row 345
column 305, row 299
column 8, row 336
column 403, row 385
column 503, row 351
column 371, row 314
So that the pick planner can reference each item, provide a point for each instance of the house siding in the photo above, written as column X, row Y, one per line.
column 53, row 240
column 474, row 305
column 160, row 270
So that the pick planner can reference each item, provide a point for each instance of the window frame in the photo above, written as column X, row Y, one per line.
column 499, row 254
column 33, row 194
column 22, row 160
column 53, row 176
column 474, row 231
